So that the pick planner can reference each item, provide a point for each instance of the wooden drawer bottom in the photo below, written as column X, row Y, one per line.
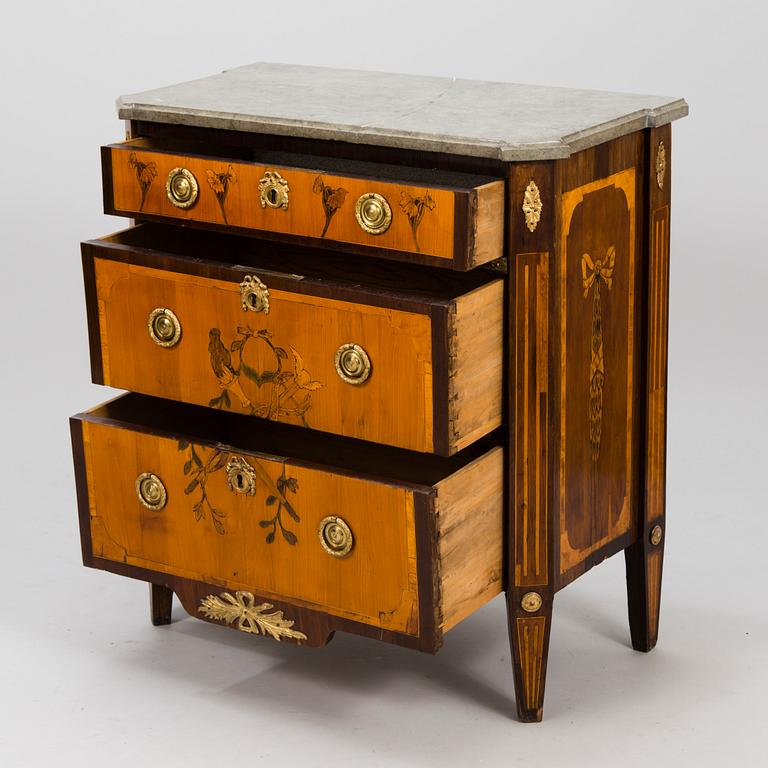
column 214, row 505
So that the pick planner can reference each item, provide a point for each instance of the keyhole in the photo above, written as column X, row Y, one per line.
column 272, row 196
column 240, row 480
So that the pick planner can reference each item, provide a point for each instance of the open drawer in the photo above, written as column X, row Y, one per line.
column 395, row 354
column 443, row 219
column 212, row 504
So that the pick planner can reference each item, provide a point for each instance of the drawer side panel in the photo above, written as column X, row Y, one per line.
column 469, row 510
column 476, row 360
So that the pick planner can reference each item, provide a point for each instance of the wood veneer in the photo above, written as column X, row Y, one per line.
column 447, row 220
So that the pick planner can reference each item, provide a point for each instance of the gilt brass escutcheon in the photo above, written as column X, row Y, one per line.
column 241, row 476
column 164, row 327
column 373, row 213
column 273, row 190
column 335, row 536
column 254, row 295
column 181, row 188
column 151, row 491
column 661, row 164
column 657, row 534
column 531, row 602
column 352, row 364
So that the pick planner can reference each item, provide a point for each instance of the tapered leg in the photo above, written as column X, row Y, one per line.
column 645, row 558
column 644, row 565
column 160, row 604
column 529, row 629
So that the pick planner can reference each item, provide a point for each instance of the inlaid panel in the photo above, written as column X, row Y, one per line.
column 266, row 541
column 658, row 322
column 434, row 381
column 456, row 225
column 597, row 272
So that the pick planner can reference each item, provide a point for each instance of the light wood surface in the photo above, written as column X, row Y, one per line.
column 433, row 235
column 475, row 364
column 396, row 406
column 469, row 508
column 393, row 407
column 375, row 584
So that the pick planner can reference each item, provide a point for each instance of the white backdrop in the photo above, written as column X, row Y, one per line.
column 84, row 679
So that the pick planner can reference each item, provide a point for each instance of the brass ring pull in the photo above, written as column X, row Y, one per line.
column 335, row 536
column 352, row 364
column 164, row 327
column 273, row 190
column 241, row 477
column 151, row 491
column 373, row 213
column 181, row 188
column 254, row 295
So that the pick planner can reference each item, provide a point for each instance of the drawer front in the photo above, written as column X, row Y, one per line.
column 265, row 541
column 454, row 226
column 433, row 375
column 407, row 552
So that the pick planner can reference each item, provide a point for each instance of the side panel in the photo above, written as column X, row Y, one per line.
column 469, row 523
column 599, row 323
column 475, row 365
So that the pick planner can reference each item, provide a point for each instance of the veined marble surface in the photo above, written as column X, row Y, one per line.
column 505, row 121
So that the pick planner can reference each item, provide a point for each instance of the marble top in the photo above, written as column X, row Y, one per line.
column 505, row 121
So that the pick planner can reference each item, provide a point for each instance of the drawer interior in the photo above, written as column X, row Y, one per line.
column 320, row 163
column 158, row 416
column 301, row 261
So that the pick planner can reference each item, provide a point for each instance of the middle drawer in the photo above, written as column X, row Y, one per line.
column 394, row 355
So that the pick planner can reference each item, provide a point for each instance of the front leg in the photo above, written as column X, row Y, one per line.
column 644, row 561
column 530, row 620
column 160, row 604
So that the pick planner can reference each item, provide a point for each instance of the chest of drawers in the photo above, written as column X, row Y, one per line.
column 393, row 345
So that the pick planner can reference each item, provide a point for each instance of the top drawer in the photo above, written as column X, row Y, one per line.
column 442, row 219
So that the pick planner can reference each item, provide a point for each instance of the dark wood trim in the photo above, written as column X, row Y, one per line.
column 645, row 560
column 440, row 360
column 598, row 556
column 81, row 486
column 92, row 315
column 463, row 233
column 427, row 576
column 160, row 604
column 529, row 632
column 107, row 183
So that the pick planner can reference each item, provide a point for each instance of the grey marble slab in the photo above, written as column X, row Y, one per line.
column 506, row 121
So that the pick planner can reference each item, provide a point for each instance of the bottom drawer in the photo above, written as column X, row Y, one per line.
column 343, row 535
